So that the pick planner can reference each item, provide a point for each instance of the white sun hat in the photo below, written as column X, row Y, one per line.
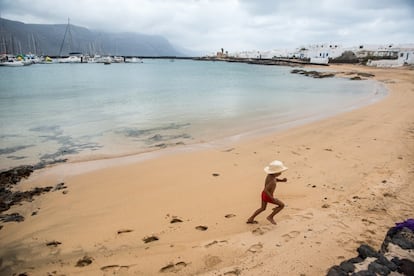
column 275, row 166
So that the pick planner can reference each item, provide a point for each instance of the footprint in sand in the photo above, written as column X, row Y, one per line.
column 150, row 239
column 308, row 215
column 53, row 243
column 173, row 267
column 230, row 216
column 114, row 269
column 201, row 228
column 122, row 231
column 260, row 230
column 341, row 225
column 290, row 235
column 343, row 241
column 367, row 221
column 211, row 261
column 332, row 215
column 176, row 220
column 233, row 272
column 255, row 248
column 104, row 250
column 218, row 243
column 85, row 261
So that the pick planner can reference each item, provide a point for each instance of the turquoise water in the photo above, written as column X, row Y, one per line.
column 91, row 111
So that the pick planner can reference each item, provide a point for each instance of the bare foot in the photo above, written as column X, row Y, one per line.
column 251, row 222
column 271, row 220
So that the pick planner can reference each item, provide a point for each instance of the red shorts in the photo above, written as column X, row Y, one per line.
column 266, row 198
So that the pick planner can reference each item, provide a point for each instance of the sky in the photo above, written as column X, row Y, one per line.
column 235, row 25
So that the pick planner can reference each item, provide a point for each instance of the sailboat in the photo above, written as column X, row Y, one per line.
column 74, row 57
column 13, row 63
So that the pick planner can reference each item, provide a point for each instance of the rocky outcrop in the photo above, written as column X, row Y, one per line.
column 396, row 256
column 329, row 74
column 9, row 197
column 313, row 74
column 13, row 176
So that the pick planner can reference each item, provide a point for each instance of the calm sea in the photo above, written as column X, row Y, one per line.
column 91, row 111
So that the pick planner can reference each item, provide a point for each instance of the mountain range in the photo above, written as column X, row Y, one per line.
column 61, row 39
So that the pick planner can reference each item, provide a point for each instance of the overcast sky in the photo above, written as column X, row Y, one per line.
column 235, row 25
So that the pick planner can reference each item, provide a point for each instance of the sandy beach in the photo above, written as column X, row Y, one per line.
column 184, row 212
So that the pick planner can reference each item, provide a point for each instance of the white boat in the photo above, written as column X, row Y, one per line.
column 133, row 60
column 73, row 58
column 106, row 60
column 101, row 59
column 116, row 59
column 13, row 63
column 32, row 59
column 47, row 60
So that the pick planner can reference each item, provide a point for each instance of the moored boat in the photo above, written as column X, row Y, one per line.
column 117, row 59
column 47, row 60
column 133, row 60
column 72, row 58
column 102, row 59
column 13, row 63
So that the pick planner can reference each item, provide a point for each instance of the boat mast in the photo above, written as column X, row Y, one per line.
column 34, row 44
column 64, row 37
column 4, row 46
column 12, row 45
column 3, row 49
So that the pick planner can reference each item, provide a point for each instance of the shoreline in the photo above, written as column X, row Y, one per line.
column 336, row 198
column 83, row 163
column 254, row 128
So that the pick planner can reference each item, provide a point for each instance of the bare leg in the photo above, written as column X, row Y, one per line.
column 280, row 206
column 258, row 211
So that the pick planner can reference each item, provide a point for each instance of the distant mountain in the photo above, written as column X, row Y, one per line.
column 17, row 37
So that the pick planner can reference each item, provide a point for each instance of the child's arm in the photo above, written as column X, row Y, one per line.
column 281, row 180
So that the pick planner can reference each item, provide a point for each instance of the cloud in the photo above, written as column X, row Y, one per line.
column 208, row 25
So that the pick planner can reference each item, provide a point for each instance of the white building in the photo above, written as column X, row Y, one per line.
column 319, row 53
column 406, row 55
column 393, row 55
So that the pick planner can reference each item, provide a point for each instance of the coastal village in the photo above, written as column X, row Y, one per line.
column 392, row 55
column 26, row 51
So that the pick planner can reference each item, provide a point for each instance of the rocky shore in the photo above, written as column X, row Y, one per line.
column 10, row 197
column 274, row 61
column 323, row 74
column 294, row 63
column 396, row 256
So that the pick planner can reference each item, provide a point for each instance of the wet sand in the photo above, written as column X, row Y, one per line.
column 183, row 213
